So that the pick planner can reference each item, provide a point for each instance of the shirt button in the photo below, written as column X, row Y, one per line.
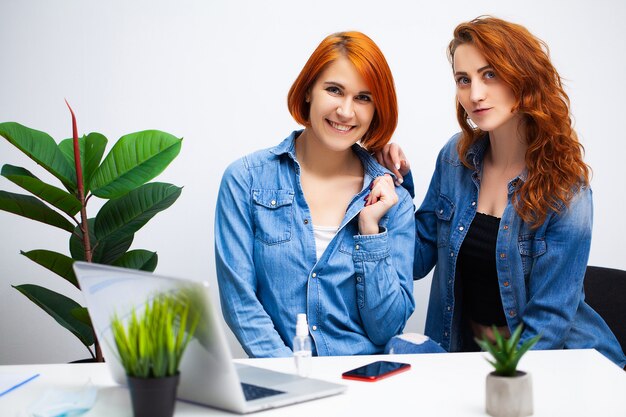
column 451, row 254
column 356, row 247
column 358, row 279
column 449, row 308
column 314, row 327
column 445, row 334
column 512, row 313
column 449, row 281
column 440, row 211
column 506, row 227
column 273, row 202
column 506, row 283
column 306, row 221
column 314, row 275
column 473, row 203
column 502, row 255
column 461, row 228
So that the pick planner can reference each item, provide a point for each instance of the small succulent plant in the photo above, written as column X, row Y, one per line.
column 505, row 352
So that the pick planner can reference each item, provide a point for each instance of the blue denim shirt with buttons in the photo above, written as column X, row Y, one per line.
column 357, row 296
column 540, row 271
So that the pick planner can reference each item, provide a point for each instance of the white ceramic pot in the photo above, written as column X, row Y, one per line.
column 509, row 396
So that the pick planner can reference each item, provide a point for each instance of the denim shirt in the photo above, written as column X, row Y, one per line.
column 540, row 271
column 357, row 296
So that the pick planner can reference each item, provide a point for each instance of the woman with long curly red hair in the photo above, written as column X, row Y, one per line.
column 507, row 218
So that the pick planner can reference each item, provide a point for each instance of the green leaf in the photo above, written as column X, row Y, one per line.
column 529, row 343
column 134, row 160
column 59, row 307
column 123, row 216
column 92, row 148
column 81, row 314
column 55, row 262
column 104, row 251
column 140, row 259
column 500, row 343
column 32, row 208
column 512, row 342
column 57, row 197
column 109, row 251
column 41, row 148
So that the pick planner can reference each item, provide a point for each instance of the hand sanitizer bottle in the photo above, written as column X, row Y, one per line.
column 302, row 346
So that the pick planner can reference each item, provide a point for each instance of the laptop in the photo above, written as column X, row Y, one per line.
column 208, row 374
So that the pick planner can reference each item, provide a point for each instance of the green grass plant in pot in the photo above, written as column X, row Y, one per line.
column 508, row 391
column 120, row 178
column 150, row 344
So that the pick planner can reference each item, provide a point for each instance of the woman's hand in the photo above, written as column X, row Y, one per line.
column 380, row 199
column 392, row 157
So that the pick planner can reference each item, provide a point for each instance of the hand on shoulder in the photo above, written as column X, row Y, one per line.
column 392, row 157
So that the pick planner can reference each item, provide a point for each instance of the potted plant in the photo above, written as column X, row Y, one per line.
column 121, row 179
column 150, row 345
column 508, row 391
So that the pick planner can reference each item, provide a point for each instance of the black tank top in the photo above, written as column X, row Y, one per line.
column 478, row 274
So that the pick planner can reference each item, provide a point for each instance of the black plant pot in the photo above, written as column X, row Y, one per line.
column 153, row 397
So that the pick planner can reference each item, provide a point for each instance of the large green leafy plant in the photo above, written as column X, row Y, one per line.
column 121, row 178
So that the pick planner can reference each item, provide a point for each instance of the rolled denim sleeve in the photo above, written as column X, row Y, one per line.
column 234, row 244
column 556, row 280
column 384, row 283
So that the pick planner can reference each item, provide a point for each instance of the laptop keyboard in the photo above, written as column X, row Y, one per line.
column 254, row 392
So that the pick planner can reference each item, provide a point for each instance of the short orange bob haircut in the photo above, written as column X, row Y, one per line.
column 371, row 64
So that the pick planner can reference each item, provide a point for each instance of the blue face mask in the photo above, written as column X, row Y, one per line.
column 65, row 402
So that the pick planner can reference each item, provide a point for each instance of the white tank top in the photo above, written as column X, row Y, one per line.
column 323, row 235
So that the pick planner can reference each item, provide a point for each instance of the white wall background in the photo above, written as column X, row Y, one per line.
column 217, row 73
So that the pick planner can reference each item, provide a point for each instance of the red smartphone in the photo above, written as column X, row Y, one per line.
column 376, row 370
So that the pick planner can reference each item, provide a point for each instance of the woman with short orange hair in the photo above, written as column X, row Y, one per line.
column 301, row 228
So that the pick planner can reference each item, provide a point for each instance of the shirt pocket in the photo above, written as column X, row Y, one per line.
column 530, row 248
column 444, row 211
column 273, row 215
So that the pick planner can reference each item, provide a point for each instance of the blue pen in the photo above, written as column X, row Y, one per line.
column 19, row 385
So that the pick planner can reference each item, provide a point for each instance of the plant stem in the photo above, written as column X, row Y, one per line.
column 84, row 225
column 80, row 185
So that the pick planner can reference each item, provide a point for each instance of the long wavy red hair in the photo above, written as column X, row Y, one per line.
column 554, row 158
column 371, row 64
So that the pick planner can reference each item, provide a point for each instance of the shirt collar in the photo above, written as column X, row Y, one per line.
column 370, row 165
column 476, row 153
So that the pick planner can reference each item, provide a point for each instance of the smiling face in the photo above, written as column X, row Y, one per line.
column 341, row 106
column 486, row 99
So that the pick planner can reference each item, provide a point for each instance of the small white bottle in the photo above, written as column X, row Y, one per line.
column 302, row 346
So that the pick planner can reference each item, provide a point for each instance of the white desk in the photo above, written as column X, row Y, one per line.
column 565, row 383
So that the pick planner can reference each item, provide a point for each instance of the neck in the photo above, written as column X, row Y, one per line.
column 507, row 148
column 321, row 161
